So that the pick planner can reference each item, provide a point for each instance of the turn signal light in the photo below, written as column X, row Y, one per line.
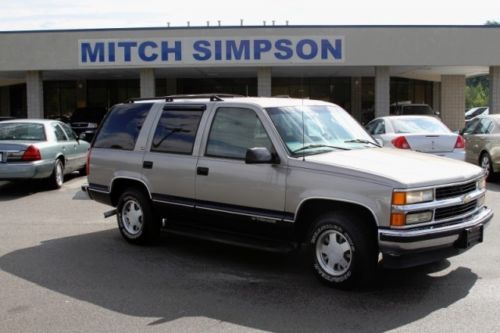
column 400, row 142
column 398, row 219
column 460, row 144
column 32, row 153
column 399, row 198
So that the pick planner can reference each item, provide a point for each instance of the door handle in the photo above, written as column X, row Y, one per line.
column 202, row 171
column 147, row 165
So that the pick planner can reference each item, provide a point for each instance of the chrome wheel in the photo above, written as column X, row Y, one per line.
column 59, row 174
column 132, row 217
column 333, row 252
column 486, row 164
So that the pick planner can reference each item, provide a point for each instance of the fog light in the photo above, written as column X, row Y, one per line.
column 418, row 217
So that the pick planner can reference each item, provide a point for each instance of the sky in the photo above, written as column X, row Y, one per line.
column 86, row 14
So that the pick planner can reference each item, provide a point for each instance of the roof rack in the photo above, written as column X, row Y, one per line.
column 212, row 97
column 171, row 98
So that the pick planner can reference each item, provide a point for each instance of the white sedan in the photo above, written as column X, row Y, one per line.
column 425, row 134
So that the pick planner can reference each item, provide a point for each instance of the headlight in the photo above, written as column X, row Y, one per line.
column 92, row 125
column 481, row 183
column 412, row 197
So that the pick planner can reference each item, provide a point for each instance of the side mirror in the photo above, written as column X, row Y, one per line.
column 260, row 155
column 437, row 113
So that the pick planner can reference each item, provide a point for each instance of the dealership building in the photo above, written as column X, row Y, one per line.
column 365, row 69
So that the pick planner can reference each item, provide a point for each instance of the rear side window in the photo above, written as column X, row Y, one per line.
column 60, row 136
column 122, row 126
column 176, row 132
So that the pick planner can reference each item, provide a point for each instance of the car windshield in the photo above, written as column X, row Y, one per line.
column 314, row 129
column 418, row 125
column 22, row 132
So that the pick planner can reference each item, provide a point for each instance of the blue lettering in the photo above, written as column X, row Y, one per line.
column 177, row 50
column 285, row 51
column 204, row 53
column 111, row 52
column 127, row 48
column 142, row 51
column 218, row 50
column 238, row 51
column 260, row 46
column 89, row 54
column 313, row 49
column 328, row 48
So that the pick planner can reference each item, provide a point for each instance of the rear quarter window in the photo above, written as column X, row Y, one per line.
column 122, row 125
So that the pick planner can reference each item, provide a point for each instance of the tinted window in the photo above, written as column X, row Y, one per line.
column 471, row 126
column 122, row 126
column 176, row 132
column 60, row 136
column 484, row 126
column 233, row 131
column 22, row 132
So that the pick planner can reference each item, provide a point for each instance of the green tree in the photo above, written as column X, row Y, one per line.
column 476, row 95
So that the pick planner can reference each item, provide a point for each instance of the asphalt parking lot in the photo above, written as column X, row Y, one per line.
column 64, row 268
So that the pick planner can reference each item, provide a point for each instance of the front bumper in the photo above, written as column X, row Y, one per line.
column 412, row 247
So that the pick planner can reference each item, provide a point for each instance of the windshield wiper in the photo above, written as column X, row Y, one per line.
column 362, row 141
column 318, row 146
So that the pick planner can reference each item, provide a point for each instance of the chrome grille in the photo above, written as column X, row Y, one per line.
column 447, row 212
column 454, row 191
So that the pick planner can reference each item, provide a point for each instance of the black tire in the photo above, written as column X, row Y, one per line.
column 487, row 165
column 56, row 179
column 352, row 259
column 136, row 219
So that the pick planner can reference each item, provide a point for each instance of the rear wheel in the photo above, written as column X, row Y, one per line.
column 56, row 179
column 135, row 218
column 343, row 253
column 485, row 162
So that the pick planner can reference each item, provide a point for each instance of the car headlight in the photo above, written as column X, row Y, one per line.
column 481, row 183
column 92, row 125
column 412, row 197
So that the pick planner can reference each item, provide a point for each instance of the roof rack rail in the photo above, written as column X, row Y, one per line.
column 170, row 98
column 213, row 97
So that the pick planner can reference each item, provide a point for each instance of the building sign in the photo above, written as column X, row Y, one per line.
column 211, row 51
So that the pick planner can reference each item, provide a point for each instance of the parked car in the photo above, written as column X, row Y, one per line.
column 424, row 134
column 475, row 112
column 273, row 173
column 482, row 136
column 406, row 109
column 86, row 120
column 40, row 149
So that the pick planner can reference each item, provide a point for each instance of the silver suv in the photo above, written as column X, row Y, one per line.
column 275, row 173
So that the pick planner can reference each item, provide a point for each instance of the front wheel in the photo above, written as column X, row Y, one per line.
column 135, row 218
column 343, row 253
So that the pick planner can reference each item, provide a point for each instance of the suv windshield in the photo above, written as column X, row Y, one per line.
column 314, row 129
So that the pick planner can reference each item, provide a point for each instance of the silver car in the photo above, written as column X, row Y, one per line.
column 483, row 143
column 424, row 134
column 40, row 149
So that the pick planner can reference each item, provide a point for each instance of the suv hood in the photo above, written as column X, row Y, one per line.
column 408, row 168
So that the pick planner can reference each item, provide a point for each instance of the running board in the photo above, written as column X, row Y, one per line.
column 233, row 239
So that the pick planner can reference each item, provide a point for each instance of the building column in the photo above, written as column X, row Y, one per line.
column 34, row 94
column 495, row 89
column 356, row 96
column 4, row 101
column 147, row 78
column 436, row 96
column 453, row 101
column 382, row 91
column 171, row 86
column 264, row 82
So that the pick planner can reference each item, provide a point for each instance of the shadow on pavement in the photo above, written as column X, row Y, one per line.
column 23, row 188
column 183, row 277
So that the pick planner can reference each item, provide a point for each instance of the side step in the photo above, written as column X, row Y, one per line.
column 268, row 245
